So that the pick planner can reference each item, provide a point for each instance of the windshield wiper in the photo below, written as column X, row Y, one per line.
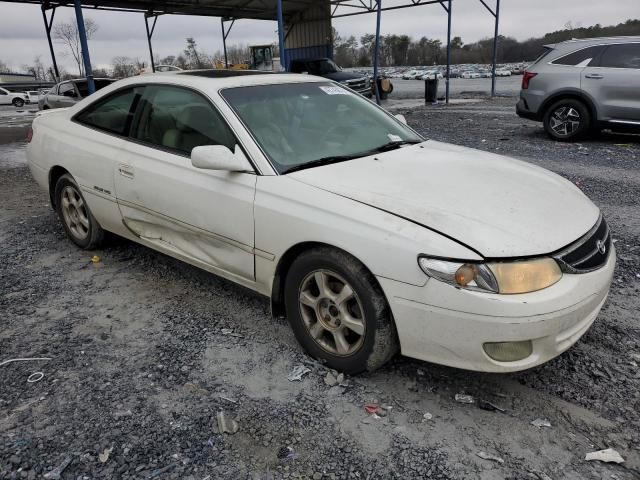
column 341, row 158
column 393, row 145
column 322, row 161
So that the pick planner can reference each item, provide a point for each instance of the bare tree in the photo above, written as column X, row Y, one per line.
column 3, row 67
column 125, row 67
column 37, row 69
column 67, row 33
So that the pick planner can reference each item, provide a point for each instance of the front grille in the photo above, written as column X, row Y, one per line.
column 588, row 253
column 358, row 85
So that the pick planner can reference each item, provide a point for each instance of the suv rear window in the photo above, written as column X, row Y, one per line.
column 547, row 51
column 621, row 56
column 581, row 56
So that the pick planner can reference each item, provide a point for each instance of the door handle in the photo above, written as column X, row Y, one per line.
column 125, row 170
column 595, row 76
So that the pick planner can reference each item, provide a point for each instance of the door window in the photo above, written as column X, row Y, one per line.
column 582, row 57
column 621, row 56
column 113, row 114
column 67, row 89
column 179, row 119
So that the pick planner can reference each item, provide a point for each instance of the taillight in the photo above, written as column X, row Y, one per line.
column 29, row 134
column 526, row 78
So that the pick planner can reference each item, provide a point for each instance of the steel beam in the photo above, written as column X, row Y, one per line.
column 283, row 56
column 82, row 33
column 149, row 35
column 47, row 25
column 376, row 50
column 448, row 8
column 495, row 49
column 225, row 34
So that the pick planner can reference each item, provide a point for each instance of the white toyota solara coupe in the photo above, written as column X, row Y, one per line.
column 367, row 237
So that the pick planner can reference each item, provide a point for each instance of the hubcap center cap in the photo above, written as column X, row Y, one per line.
column 329, row 313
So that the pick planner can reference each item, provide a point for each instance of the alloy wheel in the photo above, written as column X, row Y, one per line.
column 565, row 121
column 74, row 212
column 332, row 312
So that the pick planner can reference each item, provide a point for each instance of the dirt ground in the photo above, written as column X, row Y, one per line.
column 145, row 351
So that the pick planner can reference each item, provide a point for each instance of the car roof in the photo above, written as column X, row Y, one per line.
column 594, row 41
column 207, row 80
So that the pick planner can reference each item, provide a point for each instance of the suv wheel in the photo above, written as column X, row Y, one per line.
column 338, row 312
column 567, row 120
column 18, row 102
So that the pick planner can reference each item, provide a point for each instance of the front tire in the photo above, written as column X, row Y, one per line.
column 79, row 223
column 18, row 102
column 567, row 120
column 338, row 311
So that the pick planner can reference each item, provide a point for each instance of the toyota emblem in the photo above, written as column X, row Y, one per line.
column 602, row 248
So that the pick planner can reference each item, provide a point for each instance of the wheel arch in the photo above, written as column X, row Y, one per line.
column 54, row 175
column 570, row 94
column 278, row 308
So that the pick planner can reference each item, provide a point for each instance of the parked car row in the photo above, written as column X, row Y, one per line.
column 455, row 71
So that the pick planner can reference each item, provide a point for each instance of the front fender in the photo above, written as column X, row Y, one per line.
column 288, row 213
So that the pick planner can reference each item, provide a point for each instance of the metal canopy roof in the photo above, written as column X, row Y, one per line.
column 251, row 9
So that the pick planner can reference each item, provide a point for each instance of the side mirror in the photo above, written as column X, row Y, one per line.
column 69, row 93
column 219, row 157
column 401, row 118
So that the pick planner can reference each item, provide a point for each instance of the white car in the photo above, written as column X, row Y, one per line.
column 469, row 74
column 503, row 73
column 431, row 75
column 12, row 98
column 413, row 74
column 161, row 69
column 367, row 237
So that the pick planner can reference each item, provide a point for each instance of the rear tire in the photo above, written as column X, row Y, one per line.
column 567, row 120
column 78, row 221
column 18, row 102
column 346, row 322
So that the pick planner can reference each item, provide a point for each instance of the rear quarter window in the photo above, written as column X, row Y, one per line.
column 583, row 57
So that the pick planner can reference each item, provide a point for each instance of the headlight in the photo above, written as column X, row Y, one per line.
column 520, row 276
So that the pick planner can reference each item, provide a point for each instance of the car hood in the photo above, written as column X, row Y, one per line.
column 498, row 206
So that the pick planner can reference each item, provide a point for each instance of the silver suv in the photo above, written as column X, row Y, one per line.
column 581, row 86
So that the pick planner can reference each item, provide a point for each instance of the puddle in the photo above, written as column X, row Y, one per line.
column 13, row 155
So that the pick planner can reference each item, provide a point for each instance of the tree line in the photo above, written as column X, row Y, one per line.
column 395, row 50
column 400, row 50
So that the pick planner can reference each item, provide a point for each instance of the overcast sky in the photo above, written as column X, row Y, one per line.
column 22, row 35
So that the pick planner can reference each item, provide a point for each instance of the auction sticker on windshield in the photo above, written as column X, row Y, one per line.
column 334, row 90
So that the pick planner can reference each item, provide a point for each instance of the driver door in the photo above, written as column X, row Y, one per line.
column 204, row 217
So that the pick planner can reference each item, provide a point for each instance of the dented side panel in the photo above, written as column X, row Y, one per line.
column 200, row 214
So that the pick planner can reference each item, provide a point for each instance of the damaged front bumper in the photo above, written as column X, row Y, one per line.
column 443, row 324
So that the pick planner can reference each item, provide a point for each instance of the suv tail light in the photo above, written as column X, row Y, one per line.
column 29, row 134
column 526, row 78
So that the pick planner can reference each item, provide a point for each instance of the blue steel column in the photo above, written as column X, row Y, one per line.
column 376, row 50
column 85, row 47
column 448, row 50
column 495, row 50
column 283, row 57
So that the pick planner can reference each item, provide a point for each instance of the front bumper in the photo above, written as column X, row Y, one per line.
column 446, row 325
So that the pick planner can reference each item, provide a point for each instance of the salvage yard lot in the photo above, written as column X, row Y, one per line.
column 145, row 351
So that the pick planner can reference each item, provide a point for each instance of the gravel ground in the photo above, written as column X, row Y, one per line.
column 146, row 351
